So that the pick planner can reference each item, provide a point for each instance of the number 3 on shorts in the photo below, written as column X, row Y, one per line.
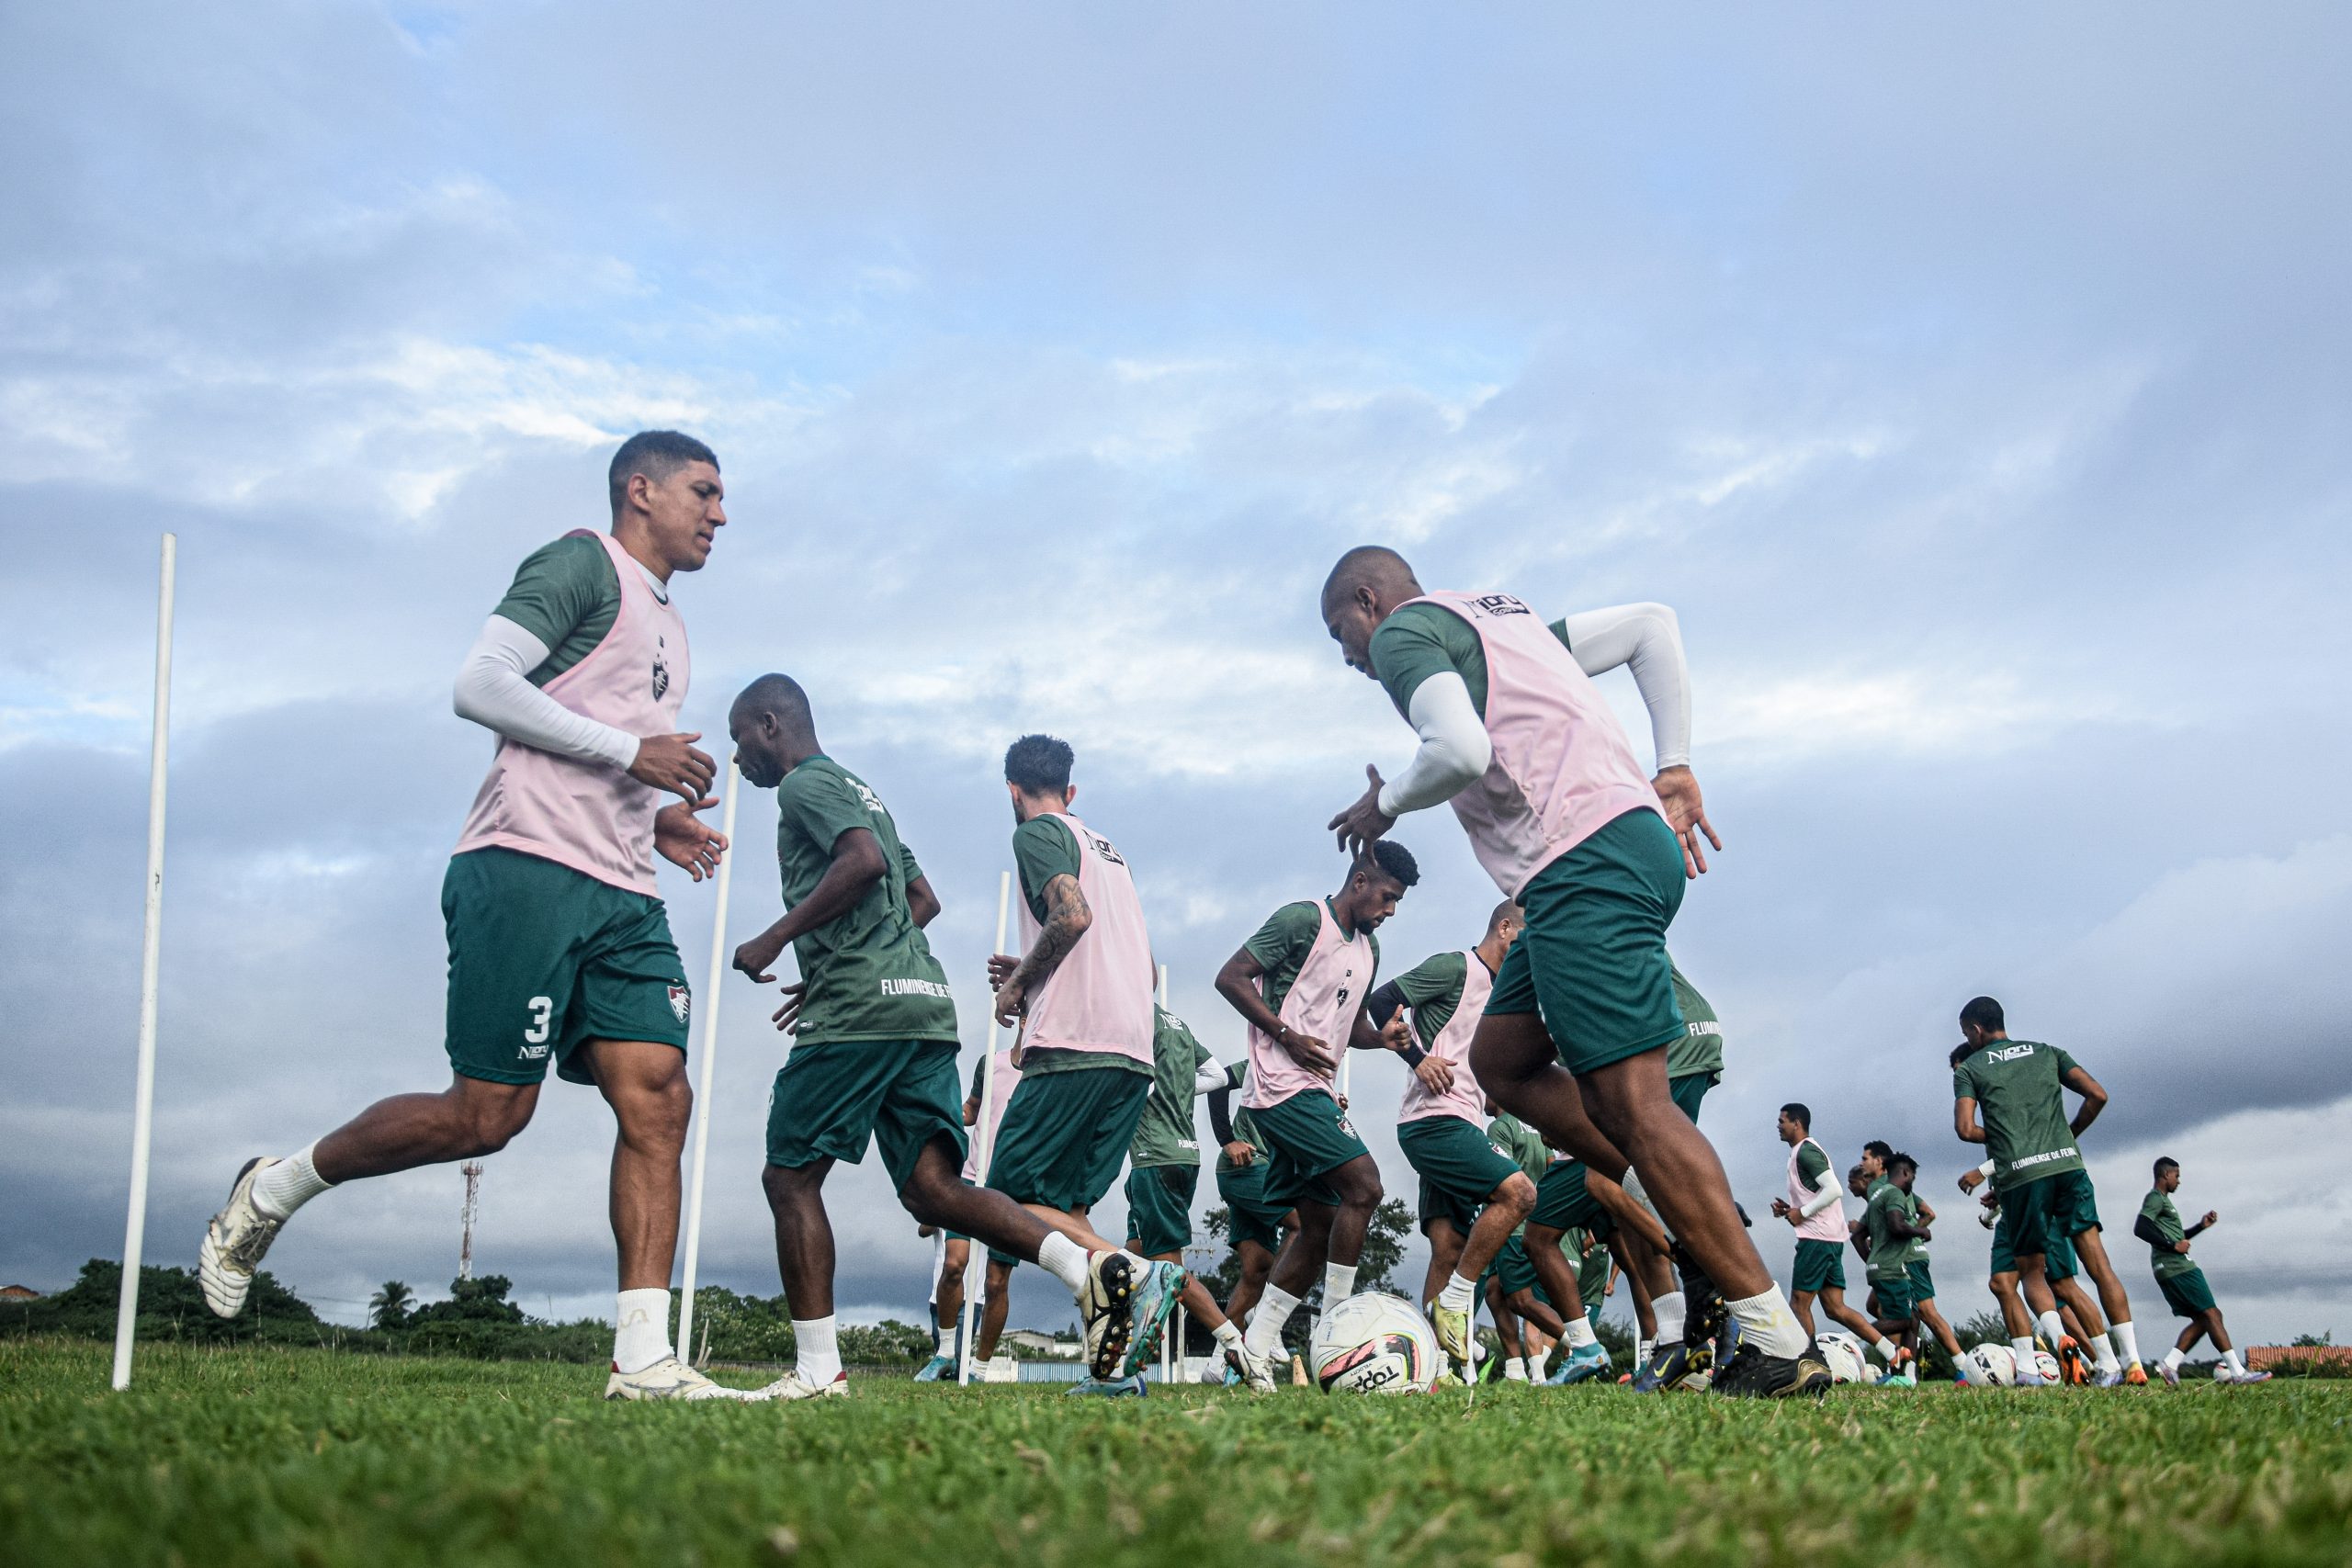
column 541, row 1008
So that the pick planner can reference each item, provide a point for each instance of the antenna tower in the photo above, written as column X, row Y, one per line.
column 471, row 1170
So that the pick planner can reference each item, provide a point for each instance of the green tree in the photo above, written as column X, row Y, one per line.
column 389, row 1308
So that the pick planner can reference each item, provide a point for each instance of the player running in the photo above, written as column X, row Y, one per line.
column 1904, row 1171
column 2183, row 1282
column 1515, row 734
column 2038, row 1169
column 1547, row 1295
column 1883, row 1238
column 560, row 949
column 1816, row 1209
column 1301, row 984
column 875, row 1060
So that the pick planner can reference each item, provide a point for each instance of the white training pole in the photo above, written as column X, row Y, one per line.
column 975, row 1266
column 143, row 1111
column 1170, row 1355
column 703, row 1106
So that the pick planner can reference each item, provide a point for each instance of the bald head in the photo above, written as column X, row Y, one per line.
column 1368, row 583
column 773, row 729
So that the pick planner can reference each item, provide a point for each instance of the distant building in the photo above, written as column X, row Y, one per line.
column 1029, row 1342
column 18, row 1293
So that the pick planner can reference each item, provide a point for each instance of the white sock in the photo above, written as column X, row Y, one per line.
column 1642, row 1349
column 1064, row 1259
column 1267, row 1323
column 2023, row 1345
column 1225, row 1335
column 1538, row 1365
column 2104, row 1354
column 940, row 1338
column 2051, row 1328
column 1669, row 1310
column 288, row 1185
column 1766, row 1322
column 1580, row 1333
column 1339, row 1283
column 2173, row 1357
column 2126, row 1343
column 640, row 1330
column 2230, row 1358
column 819, row 1340
column 1457, row 1295
column 1886, row 1350
column 1514, row 1369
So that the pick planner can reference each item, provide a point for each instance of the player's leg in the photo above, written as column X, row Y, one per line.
column 645, row 1083
column 947, row 1307
column 1300, row 1259
column 1477, row 1183
column 1445, row 1240
column 1257, row 1264
column 1320, row 1163
column 2119, row 1349
column 1506, row 1334
column 1801, row 1303
column 1539, row 1268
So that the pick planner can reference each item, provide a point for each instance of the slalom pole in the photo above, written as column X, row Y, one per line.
column 974, row 1265
column 1172, row 1356
column 151, row 953
column 703, row 1106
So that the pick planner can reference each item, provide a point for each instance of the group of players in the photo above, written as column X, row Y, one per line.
column 1556, row 1066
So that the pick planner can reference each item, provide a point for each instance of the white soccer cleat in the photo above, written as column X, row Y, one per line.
column 2222, row 1374
column 1107, row 1307
column 234, row 1244
column 1256, row 1372
column 792, row 1385
column 1001, row 1368
column 668, row 1378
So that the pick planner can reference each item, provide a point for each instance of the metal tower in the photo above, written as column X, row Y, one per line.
column 471, row 1170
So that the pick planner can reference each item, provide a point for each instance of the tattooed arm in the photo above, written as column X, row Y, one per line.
column 1067, row 919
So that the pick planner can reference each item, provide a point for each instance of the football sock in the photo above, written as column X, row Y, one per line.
column 1643, row 1350
column 2173, row 1357
column 1539, row 1365
column 1225, row 1335
column 2230, row 1358
column 2053, row 1330
column 288, row 1185
column 1670, row 1311
column 1266, row 1325
column 1457, row 1295
column 1580, row 1333
column 1339, row 1283
column 640, row 1330
column 1514, row 1369
column 819, row 1346
column 1766, row 1322
column 2023, row 1345
column 1064, row 1259
column 2104, row 1354
column 2126, row 1343
column 1886, row 1350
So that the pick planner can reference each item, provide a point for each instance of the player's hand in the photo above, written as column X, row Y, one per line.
column 1000, row 968
column 1971, row 1178
column 1780, row 1210
column 1241, row 1153
column 1396, row 1034
column 1010, row 994
column 2211, row 1215
column 787, row 1017
column 1436, row 1074
column 755, row 956
column 670, row 762
column 2180, row 1247
column 1989, row 1201
column 1364, row 822
column 1310, row 1051
column 685, row 841
column 1686, row 812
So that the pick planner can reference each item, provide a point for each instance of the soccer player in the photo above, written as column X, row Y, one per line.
column 875, row 1053
column 2183, row 1282
column 2025, row 1298
column 1515, row 735
column 995, row 1296
column 1256, row 1229
column 1164, row 1170
column 1816, row 1210
column 2020, row 1085
column 1904, row 1171
column 1884, row 1239
column 1474, row 1196
column 1301, row 984
column 1548, row 1296
column 560, row 949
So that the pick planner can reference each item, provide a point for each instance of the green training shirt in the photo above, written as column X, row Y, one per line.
column 566, row 594
column 2158, row 1210
column 1889, row 1251
column 1167, row 1134
column 2019, row 1089
column 1432, row 988
column 870, row 973
column 1422, row 640
column 1282, row 944
column 1700, row 1049
column 1918, row 1251
column 1592, row 1267
column 1521, row 1142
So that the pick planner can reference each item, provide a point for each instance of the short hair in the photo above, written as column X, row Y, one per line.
column 1853, row 1174
column 779, row 695
column 1798, row 1113
column 1984, row 1013
column 1508, row 909
column 1882, row 1148
column 1365, row 563
column 1961, row 1051
column 656, row 454
column 2166, row 1163
column 1902, row 1161
column 1038, row 764
column 1389, row 859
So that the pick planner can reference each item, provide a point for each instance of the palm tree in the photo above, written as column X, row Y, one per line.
column 389, row 1307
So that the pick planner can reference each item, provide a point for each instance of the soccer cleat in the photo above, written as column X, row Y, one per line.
column 1452, row 1326
column 235, row 1243
column 1245, row 1368
column 1752, row 1374
column 2135, row 1376
column 2074, row 1364
column 1583, row 1362
column 1107, row 1305
column 939, row 1368
column 2223, row 1375
column 1116, row 1388
column 2170, row 1373
column 1669, row 1365
column 668, row 1378
column 1001, row 1368
column 1153, row 1301
column 792, row 1385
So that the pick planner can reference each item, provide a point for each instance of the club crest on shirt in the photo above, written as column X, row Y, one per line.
column 680, row 1002
column 660, row 679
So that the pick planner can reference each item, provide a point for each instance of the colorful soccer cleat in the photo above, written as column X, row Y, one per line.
column 1114, row 1388
column 1153, row 1302
column 1582, row 1362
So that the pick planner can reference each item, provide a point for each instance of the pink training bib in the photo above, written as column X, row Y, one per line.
column 1452, row 1045
column 595, row 818
column 1562, row 768
column 1322, row 1002
column 1099, row 998
column 1828, row 1225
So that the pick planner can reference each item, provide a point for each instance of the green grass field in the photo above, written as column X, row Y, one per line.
column 313, row 1458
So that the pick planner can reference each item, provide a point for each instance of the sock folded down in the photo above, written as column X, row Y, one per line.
column 1458, row 1294
column 288, row 1184
column 1581, row 1333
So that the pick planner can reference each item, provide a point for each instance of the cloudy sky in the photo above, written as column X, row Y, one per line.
column 1974, row 387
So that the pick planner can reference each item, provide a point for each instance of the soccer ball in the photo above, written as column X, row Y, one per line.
column 1374, row 1344
column 1843, row 1355
column 2047, row 1365
column 1994, row 1364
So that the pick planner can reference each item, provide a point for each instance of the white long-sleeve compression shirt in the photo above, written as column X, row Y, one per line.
column 493, row 689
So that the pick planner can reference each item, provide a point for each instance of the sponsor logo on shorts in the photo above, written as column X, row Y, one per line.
column 533, row 1052
column 900, row 987
column 681, row 1003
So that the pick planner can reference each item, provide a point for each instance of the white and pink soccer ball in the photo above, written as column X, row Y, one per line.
column 1374, row 1344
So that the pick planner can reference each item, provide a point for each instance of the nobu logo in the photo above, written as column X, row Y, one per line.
column 2013, row 1054
column 1501, row 604
column 1102, row 847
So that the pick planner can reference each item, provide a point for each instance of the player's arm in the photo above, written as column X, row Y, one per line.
column 922, row 904
column 1647, row 639
column 2212, row 1217
column 1964, row 1122
column 1236, row 1149
column 2094, row 1097
column 1972, row 1179
column 1900, row 1224
column 856, row 866
column 1237, row 982
column 2145, row 1229
column 1067, row 919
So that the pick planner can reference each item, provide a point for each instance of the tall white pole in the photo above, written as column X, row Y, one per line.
column 1172, row 1343
column 143, row 1111
column 974, row 1264
column 702, row 1104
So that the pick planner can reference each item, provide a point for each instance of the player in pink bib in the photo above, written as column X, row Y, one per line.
column 560, row 949
column 1515, row 737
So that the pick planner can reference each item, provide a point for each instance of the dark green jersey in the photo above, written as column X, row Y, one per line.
column 565, row 594
column 1043, row 849
column 1916, row 1252
column 2158, row 1210
column 1243, row 1128
column 2020, row 1093
column 1889, row 1251
column 1282, row 946
column 1432, row 988
column 1165, row 1135
column 1421, row 640
column 1591, row 1260
column 1700, row 1049
column 1521, row 1142
column 870, row 973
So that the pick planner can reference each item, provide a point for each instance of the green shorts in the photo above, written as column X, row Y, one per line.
column 1821, row 1266
column 1592, row 958
column 1065, row 1135
column 2058, row 1263
column 1690, row 1089
column 1160, row 1207
column 1894, row 1302
column 543, row 957
column 1310, row 1138
column 1923, row 1283
column 1563, row 1203
column 1515, row 1266
column 2050, row 1209
column 1248, row 1216
column 832, row 1096
column 2188, row 1294
column 1458, row 1167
